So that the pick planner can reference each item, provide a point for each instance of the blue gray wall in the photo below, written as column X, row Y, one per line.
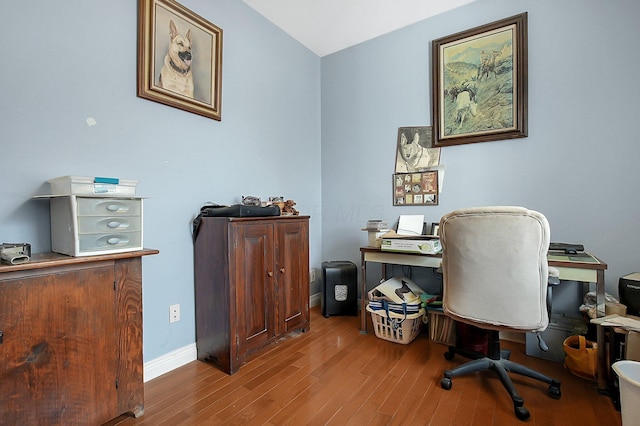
column 579, row 165
column 321, row 131
column 66, row 62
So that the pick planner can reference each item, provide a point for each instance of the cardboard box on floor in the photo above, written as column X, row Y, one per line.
column 633, row 346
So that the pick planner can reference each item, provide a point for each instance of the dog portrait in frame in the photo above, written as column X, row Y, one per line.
column 179, row 58
column 415, row 151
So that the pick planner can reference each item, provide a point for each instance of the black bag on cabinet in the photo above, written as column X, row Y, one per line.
column 236, row 210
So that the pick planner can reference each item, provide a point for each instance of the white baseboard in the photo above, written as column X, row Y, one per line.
column 186, row 354
column 171, row 361
column 314, row 299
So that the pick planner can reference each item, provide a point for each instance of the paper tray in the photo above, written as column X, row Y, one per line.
column 86, row 185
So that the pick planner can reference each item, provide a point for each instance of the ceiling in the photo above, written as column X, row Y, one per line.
column 327, row 26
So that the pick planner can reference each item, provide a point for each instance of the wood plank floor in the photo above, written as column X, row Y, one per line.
column 333, row 375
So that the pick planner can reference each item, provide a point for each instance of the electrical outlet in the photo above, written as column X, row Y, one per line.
column 312, row 275
column 174, row 313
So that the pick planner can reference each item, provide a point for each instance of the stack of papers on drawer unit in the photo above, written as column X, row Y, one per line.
column 376, row 228
column 377, row 225
column 85, row 185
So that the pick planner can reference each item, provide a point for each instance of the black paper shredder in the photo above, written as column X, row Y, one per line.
column 339, row 288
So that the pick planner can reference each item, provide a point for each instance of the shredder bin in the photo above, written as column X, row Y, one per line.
column 629, row 377
column 339, row 288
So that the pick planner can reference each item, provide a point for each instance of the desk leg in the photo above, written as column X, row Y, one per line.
column 603, row 368
column 363, row 295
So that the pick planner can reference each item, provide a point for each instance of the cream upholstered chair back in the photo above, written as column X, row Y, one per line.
column 495, row 267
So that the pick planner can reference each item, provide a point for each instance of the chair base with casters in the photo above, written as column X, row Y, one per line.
column 498, row 361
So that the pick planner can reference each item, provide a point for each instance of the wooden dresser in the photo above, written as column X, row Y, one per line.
column 251, row 285
column 71, row 343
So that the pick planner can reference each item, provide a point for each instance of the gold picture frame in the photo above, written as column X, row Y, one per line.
column 179, row 58
column 415, row 189
column 480, row 83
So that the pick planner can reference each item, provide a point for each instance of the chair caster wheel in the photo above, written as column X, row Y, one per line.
column 522, row 413
column 449, row 355
column 445, row 383
column 554, row 392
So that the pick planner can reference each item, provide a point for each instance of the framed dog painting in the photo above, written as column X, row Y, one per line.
column 415, row 151
column 179, row 58
column 480, row 83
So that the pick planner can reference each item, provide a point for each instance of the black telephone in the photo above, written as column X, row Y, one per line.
column 567, row 248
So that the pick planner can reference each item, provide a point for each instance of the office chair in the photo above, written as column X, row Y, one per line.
column 495, row 276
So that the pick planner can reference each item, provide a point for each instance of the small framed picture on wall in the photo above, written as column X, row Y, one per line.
column 411, row 189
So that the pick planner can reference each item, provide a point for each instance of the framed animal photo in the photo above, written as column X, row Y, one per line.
column 415, row 150
column 415, row 189
column 480, row 83
column 179, row 58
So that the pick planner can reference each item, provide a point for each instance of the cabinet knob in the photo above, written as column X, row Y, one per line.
column 282, row 270
column 270, row 273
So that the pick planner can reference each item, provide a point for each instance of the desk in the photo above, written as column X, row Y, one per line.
column 571, row 269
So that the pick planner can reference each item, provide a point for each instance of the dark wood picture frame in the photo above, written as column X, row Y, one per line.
column 193, row 72
column 480, row 83
column 416, row 189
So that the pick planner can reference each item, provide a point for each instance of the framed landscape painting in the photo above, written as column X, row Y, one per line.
column 480, row 83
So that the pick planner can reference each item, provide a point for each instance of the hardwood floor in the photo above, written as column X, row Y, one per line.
column 333, row 375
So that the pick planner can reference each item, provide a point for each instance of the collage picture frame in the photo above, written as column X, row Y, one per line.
column 415, row 189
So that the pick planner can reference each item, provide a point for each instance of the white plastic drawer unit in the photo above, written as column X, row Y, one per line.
column 85, row 225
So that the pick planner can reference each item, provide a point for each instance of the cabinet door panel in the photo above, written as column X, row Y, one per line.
column 253, row 286
column 57, row 358
column 293, row 274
